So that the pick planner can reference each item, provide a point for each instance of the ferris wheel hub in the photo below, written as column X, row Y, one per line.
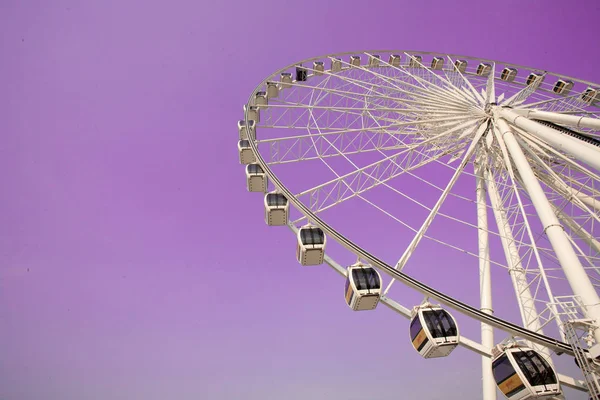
column 489, row 108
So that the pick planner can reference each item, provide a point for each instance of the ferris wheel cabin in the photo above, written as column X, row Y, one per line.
column 562, row 87
column 415, row 62
column 394, row 60
column 277, row 209
column 256, row 178
column 508, row 74
column 242, row 129
column 521, row 373
column 484, row 69
column 246, row 154
column 260, row 99
column 590, row 96
column 374, row 60
column 433, row 331
column 355, row 61
column 272, row 90
column 311, row 245
column 252, row 112
column 301, row 74
column 534, row 79
column 286, row 80
column 318, row 68
column 460, row 66
column 437, row 63
column 336, row 64
column 363, row 287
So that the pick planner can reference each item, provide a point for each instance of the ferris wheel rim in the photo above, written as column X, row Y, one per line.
column 463, row 308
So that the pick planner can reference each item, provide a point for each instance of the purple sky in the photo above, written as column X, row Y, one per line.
column 134, row 264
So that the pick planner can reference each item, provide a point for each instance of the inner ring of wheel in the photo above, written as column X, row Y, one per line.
column 556, row 345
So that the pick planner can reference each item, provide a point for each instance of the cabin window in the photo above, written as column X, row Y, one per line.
column 255, row 169
column 373, row 281
column 439, row 323
column 312, row 236
column 360, row 279
column 535, row 368
column 415, row 327
column 274, row 199
column 502, row 369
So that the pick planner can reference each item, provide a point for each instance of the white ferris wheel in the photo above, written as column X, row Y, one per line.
column 491, row 167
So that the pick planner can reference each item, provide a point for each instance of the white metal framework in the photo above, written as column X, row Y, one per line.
column 485, row 164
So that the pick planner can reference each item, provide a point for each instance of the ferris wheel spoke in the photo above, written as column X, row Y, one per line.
column 377, row 96
column 364, row 85
column 444, row 92
column 358, row 110
column 490, row 87
column 478, row 131
column 448, row 96
column 348, row 187
column 475, row 93
column 521, row 96
column 331, row 193
column 385, row 128
column 564, row 104
column 314, row 146
column 301, row 147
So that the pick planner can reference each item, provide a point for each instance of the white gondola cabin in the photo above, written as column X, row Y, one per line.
column 277, row 209
column 374, row 60
column 433, row 331
column 256, row 178
column 355, row 61
column 252, row 112
column 336, row 64
column 508, row 74
column 562, row 87
column 311, row 245
column 286, row 80
column 318, row 68
column 437, row 63
column 534, row 79
column 242, row 129
column 363, row 287
column 522, row 373
column 301, row 74
column 272, row 90
column 590, row 96
column 260, row 99
column 484, row 69
column 394, row 60
column 415, row 62
column 460, row 66
column 246, row 154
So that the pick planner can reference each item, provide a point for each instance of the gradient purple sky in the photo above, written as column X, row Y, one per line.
column 133, row 264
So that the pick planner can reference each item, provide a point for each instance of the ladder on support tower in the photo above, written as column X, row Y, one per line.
column 571, row 320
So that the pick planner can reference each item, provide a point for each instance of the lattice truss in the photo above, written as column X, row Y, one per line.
column 411, row 116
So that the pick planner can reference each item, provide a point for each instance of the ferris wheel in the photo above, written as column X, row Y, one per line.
column 484, row 168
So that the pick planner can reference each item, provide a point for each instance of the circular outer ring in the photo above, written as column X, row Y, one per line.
column 463, row 308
